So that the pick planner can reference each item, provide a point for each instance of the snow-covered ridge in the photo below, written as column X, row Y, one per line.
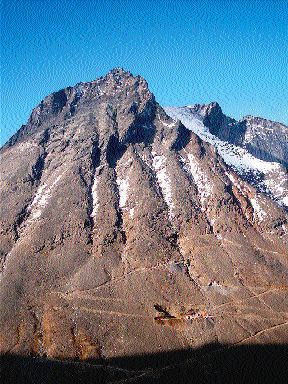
column 270, row 176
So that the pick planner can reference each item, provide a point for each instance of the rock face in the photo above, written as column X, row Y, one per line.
column 123, row 232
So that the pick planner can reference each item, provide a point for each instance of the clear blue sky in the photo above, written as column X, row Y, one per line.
column 233, row 52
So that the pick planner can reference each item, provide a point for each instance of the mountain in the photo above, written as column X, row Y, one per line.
column 125, row 231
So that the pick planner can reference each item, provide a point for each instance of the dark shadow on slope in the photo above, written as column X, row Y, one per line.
column 142, row 130
column 213, row 363
column 182, row 138
column 114, row 150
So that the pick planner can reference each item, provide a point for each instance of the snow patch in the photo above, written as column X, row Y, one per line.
column 231, row 178
column 95, row 200
column 131, row 212
column 168, row 125
column 277, row 185
column 41, row 198
column 123, row 185
column 285, row 201
column 201, row 180
column 164, row 181
column 258, row 211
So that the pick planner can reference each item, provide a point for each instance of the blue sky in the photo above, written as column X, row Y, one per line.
column 233, row 52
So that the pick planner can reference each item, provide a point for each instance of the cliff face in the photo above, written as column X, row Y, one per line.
column 123, row 232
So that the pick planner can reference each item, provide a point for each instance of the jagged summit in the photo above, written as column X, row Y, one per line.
column 205, row 108
column 126, row 232
column 249, row 117
column 119, row 71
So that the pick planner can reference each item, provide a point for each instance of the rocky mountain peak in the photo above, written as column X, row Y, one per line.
column 248, row 117
column 263, row 123
column 205, row 110
column 266, row 139
column 119, row 71
column 216, row 121
column 263, row 138
column 119, row 90
column 211, row 113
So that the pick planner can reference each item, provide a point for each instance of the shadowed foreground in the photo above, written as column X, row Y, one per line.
column 211, row 364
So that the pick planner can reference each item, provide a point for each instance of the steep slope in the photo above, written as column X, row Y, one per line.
column 124, row 232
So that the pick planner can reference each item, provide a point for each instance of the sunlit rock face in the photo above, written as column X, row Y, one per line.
column 130, row 229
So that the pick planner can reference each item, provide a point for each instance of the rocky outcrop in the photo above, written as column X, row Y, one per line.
column 115, row 215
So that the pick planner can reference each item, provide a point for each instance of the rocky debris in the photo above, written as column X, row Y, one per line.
column 109, row 205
